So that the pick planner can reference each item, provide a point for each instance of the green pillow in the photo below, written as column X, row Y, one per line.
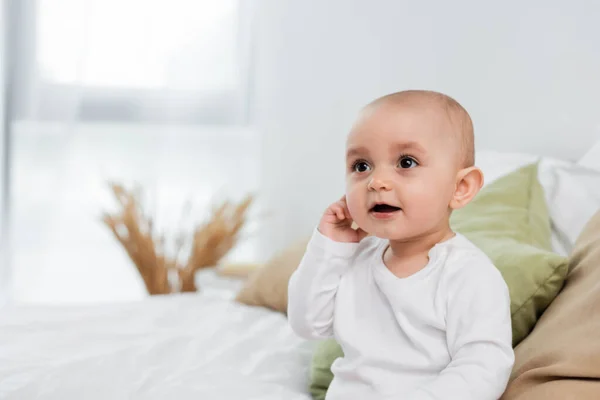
column 321, row 376
column 508, row 221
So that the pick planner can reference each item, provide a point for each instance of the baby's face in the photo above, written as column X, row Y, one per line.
column 401, row 168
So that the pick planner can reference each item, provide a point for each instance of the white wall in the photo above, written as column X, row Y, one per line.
column 526, row 71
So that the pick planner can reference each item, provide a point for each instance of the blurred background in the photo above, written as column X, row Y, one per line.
column 152, row 93
column 203, row 100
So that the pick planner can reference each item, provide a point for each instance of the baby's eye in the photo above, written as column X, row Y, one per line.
column 407, row 162
column 361, row 166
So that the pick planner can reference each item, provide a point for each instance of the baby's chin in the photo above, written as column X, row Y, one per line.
column 392, row 238
column 386, row 233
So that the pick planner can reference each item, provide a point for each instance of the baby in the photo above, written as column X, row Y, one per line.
column 420, row 312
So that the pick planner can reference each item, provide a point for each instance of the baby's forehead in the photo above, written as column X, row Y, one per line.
column 421, row 121
column 402, row 121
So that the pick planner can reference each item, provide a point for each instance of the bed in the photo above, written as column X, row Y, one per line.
column 192, row 346
column 205, row 345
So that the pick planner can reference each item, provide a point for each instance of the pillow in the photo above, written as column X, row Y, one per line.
column 509, row 221
column 591, row 159
column 237, row 269
column 560, row 359
column 565, row 183
column 268, row 286
column 496, row 164
column 568, row 184
column 326, row 352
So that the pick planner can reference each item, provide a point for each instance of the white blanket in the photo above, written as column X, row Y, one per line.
column 174, row 347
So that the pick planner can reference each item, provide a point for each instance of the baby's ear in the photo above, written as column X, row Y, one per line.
column 468, row 182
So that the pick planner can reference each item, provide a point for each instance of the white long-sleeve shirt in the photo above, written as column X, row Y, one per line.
column 443, row 333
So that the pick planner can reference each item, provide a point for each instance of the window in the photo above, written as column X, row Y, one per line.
column 148, row 93
column 134, row 60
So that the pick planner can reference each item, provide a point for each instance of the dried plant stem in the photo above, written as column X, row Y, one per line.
column 208, row 244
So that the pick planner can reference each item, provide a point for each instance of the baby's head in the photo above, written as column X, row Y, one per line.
column 410, row 162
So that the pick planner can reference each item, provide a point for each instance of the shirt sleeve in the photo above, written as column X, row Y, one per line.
column 479, row 336
column 313, row 286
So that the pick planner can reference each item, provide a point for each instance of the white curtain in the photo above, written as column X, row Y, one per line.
column 4, row 260
column 148, row 92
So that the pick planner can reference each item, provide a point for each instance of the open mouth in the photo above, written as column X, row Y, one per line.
column 384, row 208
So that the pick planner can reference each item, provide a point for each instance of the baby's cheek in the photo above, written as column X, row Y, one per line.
column 353, row 200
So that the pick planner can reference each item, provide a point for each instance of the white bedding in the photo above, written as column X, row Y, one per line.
column 195, row 346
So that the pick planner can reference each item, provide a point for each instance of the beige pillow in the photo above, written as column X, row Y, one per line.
column 237, row 270
column 268, row 286
column 560, row 359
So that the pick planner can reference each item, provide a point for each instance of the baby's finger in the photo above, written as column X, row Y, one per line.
column 342, row 202
column 344, row 209
column 347, row 210
column 339, row 211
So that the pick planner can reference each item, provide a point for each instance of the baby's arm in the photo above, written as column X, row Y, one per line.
column 479, row 338
column 313, row 286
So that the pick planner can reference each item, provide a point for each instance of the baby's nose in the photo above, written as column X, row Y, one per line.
column 378, row 183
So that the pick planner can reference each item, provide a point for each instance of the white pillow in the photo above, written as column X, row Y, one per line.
column 495, row 164
column 573, row 197
column 572, row 191
column 591, row 159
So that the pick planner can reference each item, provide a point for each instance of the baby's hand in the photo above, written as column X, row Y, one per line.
column 336, row 224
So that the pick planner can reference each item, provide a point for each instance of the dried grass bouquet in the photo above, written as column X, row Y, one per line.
column 205, row 247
